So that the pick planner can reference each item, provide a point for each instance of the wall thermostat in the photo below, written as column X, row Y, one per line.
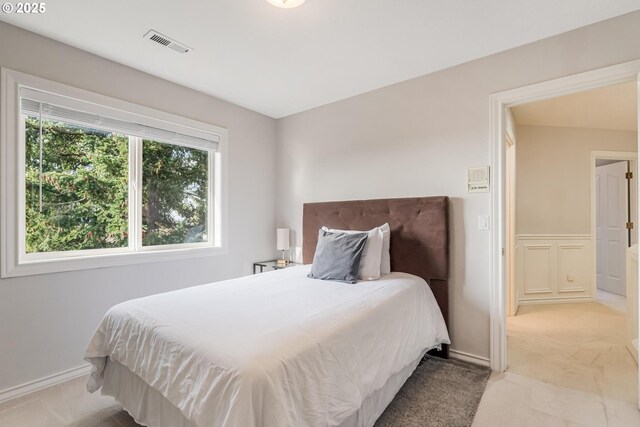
column 478, row 180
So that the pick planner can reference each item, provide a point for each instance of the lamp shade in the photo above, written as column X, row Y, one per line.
column 282, row 239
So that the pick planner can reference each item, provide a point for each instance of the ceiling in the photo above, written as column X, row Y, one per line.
column 283, row 61
column 611, row 107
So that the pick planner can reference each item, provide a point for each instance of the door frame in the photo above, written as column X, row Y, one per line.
column 632, row 156
column 620, row 73
column 510, row 230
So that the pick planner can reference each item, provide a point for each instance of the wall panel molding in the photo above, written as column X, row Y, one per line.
column 553, row 268
column 537, row 277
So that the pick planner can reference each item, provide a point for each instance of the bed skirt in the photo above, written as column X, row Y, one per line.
column 150, row 408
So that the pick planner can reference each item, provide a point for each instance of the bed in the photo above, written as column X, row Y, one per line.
column 280, row 349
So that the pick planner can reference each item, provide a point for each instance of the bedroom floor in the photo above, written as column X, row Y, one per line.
column 509, row 400
column 67, row 404
column 512, row 400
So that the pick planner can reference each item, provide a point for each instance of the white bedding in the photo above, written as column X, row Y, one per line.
column 271, row 350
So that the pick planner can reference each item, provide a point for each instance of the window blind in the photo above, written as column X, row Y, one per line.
column 58, row 108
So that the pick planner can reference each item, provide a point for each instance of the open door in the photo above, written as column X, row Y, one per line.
column 612, row 236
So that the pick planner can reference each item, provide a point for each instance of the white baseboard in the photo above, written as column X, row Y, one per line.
column 553, row 300
column 471, row 358
column 51, row 380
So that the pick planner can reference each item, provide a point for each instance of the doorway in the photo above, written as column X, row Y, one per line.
column 572, row 175
column 614, row 218
column 573, row 251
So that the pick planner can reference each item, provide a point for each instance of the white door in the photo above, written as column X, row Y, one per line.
column 611, row 231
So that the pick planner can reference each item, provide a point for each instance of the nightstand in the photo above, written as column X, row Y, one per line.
column 260, row 267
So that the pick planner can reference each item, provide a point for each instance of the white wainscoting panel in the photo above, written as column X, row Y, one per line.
column 553, row 268
column 536, row 264
column 573, row 267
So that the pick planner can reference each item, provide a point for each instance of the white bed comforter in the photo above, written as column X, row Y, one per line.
column 271, row 350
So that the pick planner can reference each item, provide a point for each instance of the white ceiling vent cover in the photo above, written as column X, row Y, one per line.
column 155, row 36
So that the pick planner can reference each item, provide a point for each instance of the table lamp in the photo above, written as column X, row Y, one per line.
column 282, row 243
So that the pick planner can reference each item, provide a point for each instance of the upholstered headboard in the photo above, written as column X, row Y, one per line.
column 419, row 235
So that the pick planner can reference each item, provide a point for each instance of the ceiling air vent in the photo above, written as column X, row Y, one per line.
column 155, row 36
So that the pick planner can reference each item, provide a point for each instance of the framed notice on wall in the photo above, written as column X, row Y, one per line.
column 478, row 180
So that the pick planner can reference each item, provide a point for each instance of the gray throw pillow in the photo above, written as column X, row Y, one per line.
column 337, row 256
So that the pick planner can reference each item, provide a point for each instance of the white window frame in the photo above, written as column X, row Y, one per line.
column 14, row 261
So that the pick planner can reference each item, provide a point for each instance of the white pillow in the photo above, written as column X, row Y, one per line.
column 370, row 260
column 385, row 262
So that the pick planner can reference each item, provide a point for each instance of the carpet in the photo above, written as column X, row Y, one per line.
column 439, row 393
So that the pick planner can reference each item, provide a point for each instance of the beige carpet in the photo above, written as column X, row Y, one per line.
column 440, row 393
column 578, row 346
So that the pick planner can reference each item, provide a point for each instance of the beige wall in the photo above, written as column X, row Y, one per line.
column 46, row 321
column 553, row 170
column 417, row 138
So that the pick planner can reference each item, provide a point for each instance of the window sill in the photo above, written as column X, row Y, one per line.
column 88, row 262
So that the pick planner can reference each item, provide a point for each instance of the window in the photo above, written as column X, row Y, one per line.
column 100, row 182
column 174, row 194
column 77, row 187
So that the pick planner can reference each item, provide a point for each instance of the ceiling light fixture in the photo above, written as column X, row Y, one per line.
column 286, row 3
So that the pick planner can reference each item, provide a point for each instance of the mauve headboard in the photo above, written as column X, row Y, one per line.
column 419, row 235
